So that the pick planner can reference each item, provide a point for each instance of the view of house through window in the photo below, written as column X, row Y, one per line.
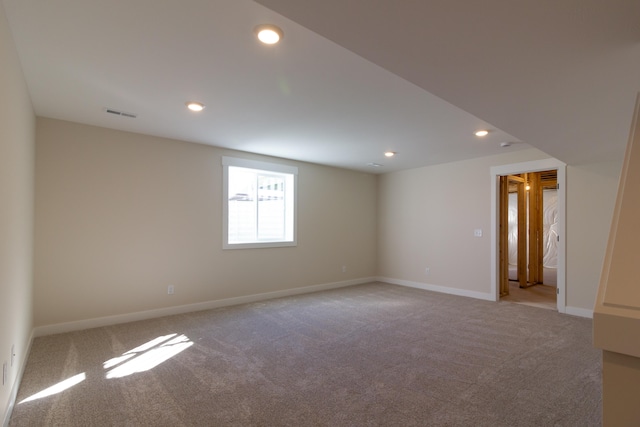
column 259, row 204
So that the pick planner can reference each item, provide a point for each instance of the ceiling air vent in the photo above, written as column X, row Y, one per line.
column 120, row 113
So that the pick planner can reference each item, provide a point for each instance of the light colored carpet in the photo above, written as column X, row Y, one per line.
column 366, row 355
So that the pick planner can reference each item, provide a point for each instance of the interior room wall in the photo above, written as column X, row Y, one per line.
column 427, row 217
column 121, row 216
column 17, row 136
column 591, row 198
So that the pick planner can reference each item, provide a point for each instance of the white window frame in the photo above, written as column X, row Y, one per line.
column 260, row 166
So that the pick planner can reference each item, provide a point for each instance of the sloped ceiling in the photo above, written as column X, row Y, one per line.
column 560, row 75
column 351, row 78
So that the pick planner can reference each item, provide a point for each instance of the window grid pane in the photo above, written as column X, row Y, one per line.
column 271, row 207
column 259, row 206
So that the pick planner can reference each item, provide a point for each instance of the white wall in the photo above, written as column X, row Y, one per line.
column 591, row 197
column 120, row 216
column 427, row 217
column 16, row 213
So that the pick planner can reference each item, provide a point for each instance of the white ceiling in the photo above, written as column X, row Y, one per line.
column 560, row 75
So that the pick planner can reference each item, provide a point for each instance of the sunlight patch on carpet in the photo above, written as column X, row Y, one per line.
column 147, row 356
column 57, row 388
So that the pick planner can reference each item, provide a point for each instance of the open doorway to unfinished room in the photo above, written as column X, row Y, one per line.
column 528, row 247
column 529, row 238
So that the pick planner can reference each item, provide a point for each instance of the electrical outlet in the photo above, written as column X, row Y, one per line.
column 170, row 290
column 477, row 232
column 13, row 354
column 344, row 268
column 4, row 373
column 427, row 271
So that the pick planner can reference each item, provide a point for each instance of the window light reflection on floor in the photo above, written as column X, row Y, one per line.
column 117, row 360
column 134, row 352
column 147, row 356
column 57, row 388
column 140, row 359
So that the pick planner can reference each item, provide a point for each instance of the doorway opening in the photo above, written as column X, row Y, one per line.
column 516, row 176
column 529, row 238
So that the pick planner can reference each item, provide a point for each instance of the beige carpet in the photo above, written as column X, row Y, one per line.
column 365, row 355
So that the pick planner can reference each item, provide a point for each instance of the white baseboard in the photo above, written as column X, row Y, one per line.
column 16, row 385
column 168, row 311
column 441, row 289
column 573, row 311
column 59, row 328
column 580, row 312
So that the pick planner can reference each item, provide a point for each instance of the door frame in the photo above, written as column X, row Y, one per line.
column 514, row 169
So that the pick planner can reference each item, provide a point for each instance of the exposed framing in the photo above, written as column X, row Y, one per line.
column 517, row 168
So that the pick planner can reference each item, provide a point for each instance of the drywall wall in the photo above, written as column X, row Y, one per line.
column 591, row 197
column 17, row 135
column 121, row 216
column 427, row 217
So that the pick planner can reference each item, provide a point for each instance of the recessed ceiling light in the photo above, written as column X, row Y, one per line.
column 195, row 106
column 389, row 153
column 269, row 34
column 482, row 133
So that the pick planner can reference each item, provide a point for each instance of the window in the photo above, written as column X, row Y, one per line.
column 259, row 202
